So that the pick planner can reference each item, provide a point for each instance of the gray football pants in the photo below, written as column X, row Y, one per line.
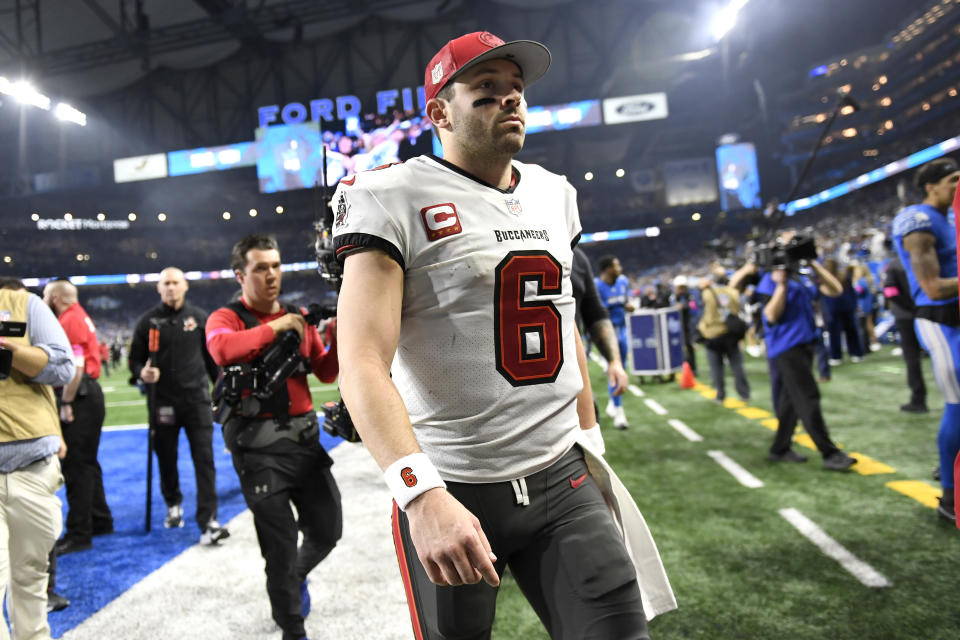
column 562, row 548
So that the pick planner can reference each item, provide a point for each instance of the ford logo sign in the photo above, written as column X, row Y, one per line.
column 635, row 108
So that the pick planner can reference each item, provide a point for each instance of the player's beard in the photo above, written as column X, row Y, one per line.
column 483, row 139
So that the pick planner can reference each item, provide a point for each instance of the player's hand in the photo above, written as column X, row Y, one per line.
column 450, row 543
column 66, row 413
column 288, row 322
column 779, row 276
column 149, row 374
column 617, row 378
column 62, row 451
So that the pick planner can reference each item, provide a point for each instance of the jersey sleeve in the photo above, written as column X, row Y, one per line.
column 910, row 220
column 572, row 214
column 362, row 221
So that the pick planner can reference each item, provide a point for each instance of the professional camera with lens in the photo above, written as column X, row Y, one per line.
column 263, row 377
column 9, row 330
column 785, row 255
column 337, row 422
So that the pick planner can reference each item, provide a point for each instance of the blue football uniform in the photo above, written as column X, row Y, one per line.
column 614, row 297
column 937, row 323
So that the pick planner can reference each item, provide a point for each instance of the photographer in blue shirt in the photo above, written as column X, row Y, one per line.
column 791, row 334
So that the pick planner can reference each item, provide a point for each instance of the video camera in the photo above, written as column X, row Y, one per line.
column 264, row 376
column 9, row 330
column 785, row 255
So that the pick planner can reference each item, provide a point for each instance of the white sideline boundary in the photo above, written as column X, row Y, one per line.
column 860, row 570
column 685, row 431
column 655, row 406
column 743, row 476
column 219, row 593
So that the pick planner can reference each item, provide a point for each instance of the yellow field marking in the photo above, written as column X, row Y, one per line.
column 708, row 393
column 919, row 491
column 867, row 466
column 754, row 413
column 770, row 423
column 733, row 403
column 804, row 440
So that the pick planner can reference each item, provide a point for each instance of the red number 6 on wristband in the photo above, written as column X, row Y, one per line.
column 408, row 478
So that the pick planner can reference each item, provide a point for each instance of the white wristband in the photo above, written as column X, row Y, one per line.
column 595, row 438
column 410, row 476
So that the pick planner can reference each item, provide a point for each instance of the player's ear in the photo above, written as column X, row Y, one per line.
column 438, row 111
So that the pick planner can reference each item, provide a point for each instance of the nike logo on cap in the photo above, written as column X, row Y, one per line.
column 576, row 482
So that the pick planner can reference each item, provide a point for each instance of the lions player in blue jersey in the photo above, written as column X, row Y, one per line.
column 614, row 290
column 926, row 243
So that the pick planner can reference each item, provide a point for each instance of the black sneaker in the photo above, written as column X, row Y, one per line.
column 213, row 533
column 946, row 510
column 787, row 456
column 56, row 602
column 67, row 545
column 914, row 408
column 936, row 473
column 838, row 461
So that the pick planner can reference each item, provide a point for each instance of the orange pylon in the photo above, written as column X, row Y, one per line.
column 687, row 381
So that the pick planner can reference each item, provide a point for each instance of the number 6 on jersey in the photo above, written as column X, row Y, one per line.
column 528, row 343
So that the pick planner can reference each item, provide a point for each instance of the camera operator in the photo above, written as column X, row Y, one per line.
column 276, row 449
column 30, row 438
column 791, row 333
column 82, row 411
column 182, row 375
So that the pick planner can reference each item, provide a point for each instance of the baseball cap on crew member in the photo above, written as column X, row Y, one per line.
column 464, row 52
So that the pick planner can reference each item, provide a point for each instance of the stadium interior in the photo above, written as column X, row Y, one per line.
column 139, row 137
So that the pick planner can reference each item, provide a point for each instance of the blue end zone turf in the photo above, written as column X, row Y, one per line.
column 91, row 579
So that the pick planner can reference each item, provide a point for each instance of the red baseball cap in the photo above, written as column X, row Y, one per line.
column 462, row 53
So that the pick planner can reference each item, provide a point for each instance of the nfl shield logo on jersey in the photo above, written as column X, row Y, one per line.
column 513, row 206
column 341, row 218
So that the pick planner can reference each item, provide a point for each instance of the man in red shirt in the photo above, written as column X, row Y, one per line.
column 275, row 440
column 81, row 419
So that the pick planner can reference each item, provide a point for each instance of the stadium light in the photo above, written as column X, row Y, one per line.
column 726, row 19
column 620, row 173
column 25, row 93
column 253, row 213
column 132, row 216
column 101, row 216
column 35, row 217
column 226, row 215
column 7, row 259
column 588, row 176
column 68, row 216
column 695, row 217
column 65, row 112
column 162, row 217
column 279, row 209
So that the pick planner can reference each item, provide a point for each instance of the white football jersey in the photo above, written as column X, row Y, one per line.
column 486, row 362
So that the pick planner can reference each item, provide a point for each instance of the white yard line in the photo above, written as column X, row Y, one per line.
column 685, row 431
column 126, row 403
column 743, row 476
column 637, row 391
column 862, row 571
column 656, row 407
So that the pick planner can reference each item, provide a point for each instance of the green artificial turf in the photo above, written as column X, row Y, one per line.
column 738, row 569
